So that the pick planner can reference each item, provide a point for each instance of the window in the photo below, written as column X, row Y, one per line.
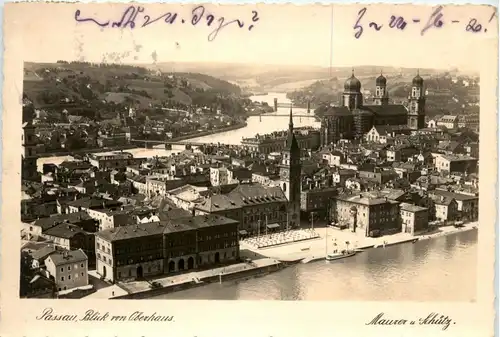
column 69, row 267
column 81, row 265
column 62, row 278
column 81, row 274
column 62, row 269
column 69, row 277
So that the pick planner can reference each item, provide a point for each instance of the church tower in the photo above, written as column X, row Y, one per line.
column 29, row 158
column 381, row 94
column 352, row 97
column 416, row 104
column 290, row 174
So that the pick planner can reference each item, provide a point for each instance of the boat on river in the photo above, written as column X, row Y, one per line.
column 340, row 255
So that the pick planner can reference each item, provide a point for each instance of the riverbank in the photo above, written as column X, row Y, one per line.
column 332, row 238
column 209, row 132
column 169, row 284
column 85, row 151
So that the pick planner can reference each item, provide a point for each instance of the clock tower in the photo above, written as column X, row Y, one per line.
column 416, row 104
column 290, row 174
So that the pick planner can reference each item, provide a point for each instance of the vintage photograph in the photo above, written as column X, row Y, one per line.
column 344, row 177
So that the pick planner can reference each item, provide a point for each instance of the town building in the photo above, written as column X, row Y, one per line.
column 69, row 269
column 456, row 163
column 414, row 219
column 307, row 138
column 373, row 215
column 156, row 248
column 467, row 204
column 317, row 201
column 114, row 160
column 353, row 119
column 448, row 121
column 257, row 208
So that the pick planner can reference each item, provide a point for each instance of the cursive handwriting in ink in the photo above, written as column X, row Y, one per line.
column 357, row 26
column 133, row 14
column 169, row 18
column 255, row 18
column 473, row 26
column 128, row 17
column 223, row 24
column 435, row 20
column 397, row 22
column 78, row 19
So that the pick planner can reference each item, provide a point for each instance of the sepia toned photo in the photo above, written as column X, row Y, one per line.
column 242, row 160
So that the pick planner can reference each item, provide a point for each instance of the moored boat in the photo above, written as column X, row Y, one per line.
column 340, row 255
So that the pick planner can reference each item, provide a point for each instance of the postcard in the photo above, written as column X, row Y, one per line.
column 254, row 170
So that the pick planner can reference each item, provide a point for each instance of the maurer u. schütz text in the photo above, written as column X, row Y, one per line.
column 432, row 319
column 48, row 314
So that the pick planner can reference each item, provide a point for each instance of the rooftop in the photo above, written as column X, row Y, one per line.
column 66, row 257
column 411, row 208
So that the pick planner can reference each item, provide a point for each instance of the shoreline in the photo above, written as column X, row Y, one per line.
column 270, row 262
column 209, row 132
column 132, row 146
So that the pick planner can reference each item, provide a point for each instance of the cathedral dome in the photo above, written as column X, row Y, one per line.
column 418, row 81
column 381, row 81
column 352, row 84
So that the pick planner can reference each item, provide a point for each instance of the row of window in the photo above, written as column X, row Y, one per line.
column 122, row 262
column 69, row 276
column 75, row 266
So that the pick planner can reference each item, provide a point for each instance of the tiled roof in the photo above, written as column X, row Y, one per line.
column 386, row 110
column 71, row 218
column 452, row 195
column 64, row 230
column 132, row 231
column 411, row 208
column 200, row 221
column 94, row 203
column 364, row 199
column 66, row 257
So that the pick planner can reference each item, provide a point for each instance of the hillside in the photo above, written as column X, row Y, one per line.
column 81, row 85
column 278, row 78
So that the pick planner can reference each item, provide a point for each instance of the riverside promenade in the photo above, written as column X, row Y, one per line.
column 167, row 284
column 332, row 238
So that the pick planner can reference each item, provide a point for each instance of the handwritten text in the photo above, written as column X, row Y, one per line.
column 435, row 20
column 135, row 16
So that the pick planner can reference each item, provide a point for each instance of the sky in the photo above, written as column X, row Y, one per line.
column 315, row 35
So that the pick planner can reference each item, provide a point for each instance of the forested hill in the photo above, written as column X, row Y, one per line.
column 94, row 84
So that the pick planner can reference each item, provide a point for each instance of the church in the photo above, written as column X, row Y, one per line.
column 352, row 119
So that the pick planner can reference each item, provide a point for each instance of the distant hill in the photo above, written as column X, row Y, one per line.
column 63, row 83
column 280, row 78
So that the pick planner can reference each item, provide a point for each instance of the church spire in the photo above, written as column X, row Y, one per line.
column 290, row 124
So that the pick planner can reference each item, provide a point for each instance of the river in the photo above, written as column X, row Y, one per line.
column 440, row 269
column 255, row 124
